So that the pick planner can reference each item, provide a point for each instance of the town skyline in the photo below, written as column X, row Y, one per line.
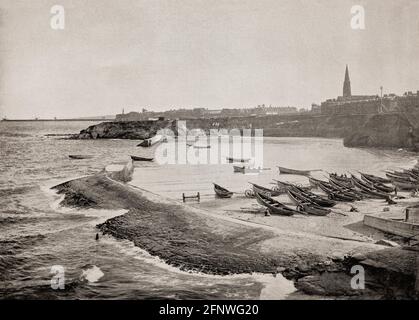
column 196, row 54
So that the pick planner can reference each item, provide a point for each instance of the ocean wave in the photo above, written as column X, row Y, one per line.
column 274, row 286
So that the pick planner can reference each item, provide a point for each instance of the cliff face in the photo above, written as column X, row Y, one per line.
column 374, row 130
column 383, row 131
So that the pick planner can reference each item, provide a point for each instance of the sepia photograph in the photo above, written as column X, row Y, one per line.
column 194, row 150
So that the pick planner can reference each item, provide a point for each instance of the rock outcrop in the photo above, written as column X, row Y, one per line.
column 123, row 130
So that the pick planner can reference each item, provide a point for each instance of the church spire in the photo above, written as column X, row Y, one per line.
column 346, row 84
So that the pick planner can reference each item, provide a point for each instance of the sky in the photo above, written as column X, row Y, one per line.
column 163, row 54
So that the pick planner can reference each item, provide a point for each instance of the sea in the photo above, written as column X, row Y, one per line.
column 49, row 252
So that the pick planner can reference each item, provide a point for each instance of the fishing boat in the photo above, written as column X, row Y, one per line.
column 378, row 185
column 317, row 199
column 222, row 192
column 336, row 193
column 196, row 146
column 360, row 194
column 137, row 158
column 400, row 178
column 374, row 178
column 283, row 170
column 239, row 169
column 151, row 141
column 341, row 178
column 80, row 156
column 284, row 185
column 246, row 170
column 307, row 206
column 270, row 192
column 342, row 181
column 231, row 160
column 405, row 185
column 368, row 188
column 274, row 206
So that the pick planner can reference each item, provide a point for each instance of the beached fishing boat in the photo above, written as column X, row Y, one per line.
column 360, row 194
column 270, row 192
column 274, row 206
column 341, row 178
column 283, row 170
column 313, row 210
column 341, row 181
column 336, row 193
column 307, row 206
column 232, row 160
column 222, row 192
column 375, row 179
column 400, row 178
column 80, row 156
column 307, row 196
column 405, row 185
column 137, row 158
column 378, row 185
column 369, row 189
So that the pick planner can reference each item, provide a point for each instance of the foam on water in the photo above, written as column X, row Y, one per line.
column 92, row 274
column 274, row 286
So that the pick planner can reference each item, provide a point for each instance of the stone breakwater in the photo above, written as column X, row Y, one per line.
column 196, row 240
column 393, row 130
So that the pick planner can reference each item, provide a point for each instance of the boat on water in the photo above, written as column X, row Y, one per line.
column 232, row 160
column 307, row 206
column 270, row 192
column 80, row 156
column 246, row 170
column 239, row 169
column 283, row 170
column 274, row 206
column 151, row 141
column 137, row 158
column 222, row 192
column 202, row 146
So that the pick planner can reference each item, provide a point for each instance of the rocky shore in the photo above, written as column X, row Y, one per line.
column 194, row 239
column 123, row 130
column 391, row 130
